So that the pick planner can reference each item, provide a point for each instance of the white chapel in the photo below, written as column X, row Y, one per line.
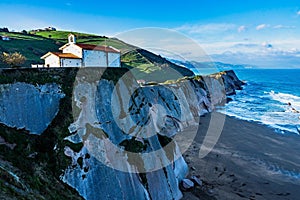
column 83, row 55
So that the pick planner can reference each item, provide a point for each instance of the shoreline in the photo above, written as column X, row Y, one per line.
column 250, row 161
column 276, row 130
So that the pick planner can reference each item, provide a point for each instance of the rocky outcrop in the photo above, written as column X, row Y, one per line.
column 112, row 138
column 231, row 82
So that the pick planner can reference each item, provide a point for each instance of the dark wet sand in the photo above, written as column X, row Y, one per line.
column 249, row 161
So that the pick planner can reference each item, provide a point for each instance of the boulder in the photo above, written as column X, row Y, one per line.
column 196, row 180
column 187, row 184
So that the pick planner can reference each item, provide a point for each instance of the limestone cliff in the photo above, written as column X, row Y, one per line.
column 97, row 134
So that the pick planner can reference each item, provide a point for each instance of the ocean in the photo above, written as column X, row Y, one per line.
column 265, row 98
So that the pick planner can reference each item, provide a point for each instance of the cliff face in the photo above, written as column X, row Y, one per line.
column 100, row 133
column 28, row 106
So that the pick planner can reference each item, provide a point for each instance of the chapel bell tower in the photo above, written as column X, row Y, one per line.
column 72, row 39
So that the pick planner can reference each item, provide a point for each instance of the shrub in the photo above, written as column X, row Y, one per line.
column 13, row 59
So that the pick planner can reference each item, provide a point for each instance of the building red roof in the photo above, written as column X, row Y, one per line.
column 61, row 55
column 65, row 55
column 97, row 48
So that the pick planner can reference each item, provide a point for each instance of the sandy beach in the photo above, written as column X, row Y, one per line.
column 249, row 161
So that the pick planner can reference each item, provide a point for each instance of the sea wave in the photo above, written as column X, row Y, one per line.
column 269, row 107
column 286, row 98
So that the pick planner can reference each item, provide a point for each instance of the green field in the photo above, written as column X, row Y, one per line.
column 62, row 36
column 32, row 47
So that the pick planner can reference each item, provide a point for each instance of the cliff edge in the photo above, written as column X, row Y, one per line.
column 91, row 133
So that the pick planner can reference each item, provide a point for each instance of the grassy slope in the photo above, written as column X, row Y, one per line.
column 32, row 47
column 150, row 67
column 146, row 65
column 85, row 38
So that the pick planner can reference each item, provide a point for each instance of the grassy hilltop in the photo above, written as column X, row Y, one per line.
column 35, row 44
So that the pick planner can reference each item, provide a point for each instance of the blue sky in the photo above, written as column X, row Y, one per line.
column 263, row 33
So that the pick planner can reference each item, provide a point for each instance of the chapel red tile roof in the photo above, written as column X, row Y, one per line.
column 97, row 48
column 65, row 55
column 62, row 55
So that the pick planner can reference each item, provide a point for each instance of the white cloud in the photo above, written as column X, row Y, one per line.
column 165, row 42
column 245, row 45
column 265, row 59
column 298, row 13
column 280, row 26
column 242, row 29
column 280, row 54
column 261, row 26
column 216, row 39
column 206, row 28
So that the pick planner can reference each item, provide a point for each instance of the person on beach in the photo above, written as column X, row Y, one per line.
column 292, row 109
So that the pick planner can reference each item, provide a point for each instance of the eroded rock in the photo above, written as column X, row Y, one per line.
column 187, row 184
column 28, row 106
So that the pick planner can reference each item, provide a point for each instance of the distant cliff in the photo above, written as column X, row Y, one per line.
column 71, row 133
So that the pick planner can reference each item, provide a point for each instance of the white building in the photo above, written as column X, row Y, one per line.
column 5, row 38
column 83, row 55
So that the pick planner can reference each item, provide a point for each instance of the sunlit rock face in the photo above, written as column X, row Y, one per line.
column 94, row 180
column 28, row 106
column 129, row 134
column 119, row 132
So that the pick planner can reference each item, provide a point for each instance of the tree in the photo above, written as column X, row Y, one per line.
column 13, row 59
column 4, row 29
column 24, row 32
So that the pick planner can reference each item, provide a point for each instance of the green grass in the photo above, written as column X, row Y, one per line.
column 32, row 47
column 85, row 38
column 63, row 35
column 150, row 67
column 134, row 59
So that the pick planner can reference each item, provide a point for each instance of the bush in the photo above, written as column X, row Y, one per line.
column 13, row 59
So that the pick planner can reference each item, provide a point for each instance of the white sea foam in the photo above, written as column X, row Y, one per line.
column 286, row 98
column 270, row 108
